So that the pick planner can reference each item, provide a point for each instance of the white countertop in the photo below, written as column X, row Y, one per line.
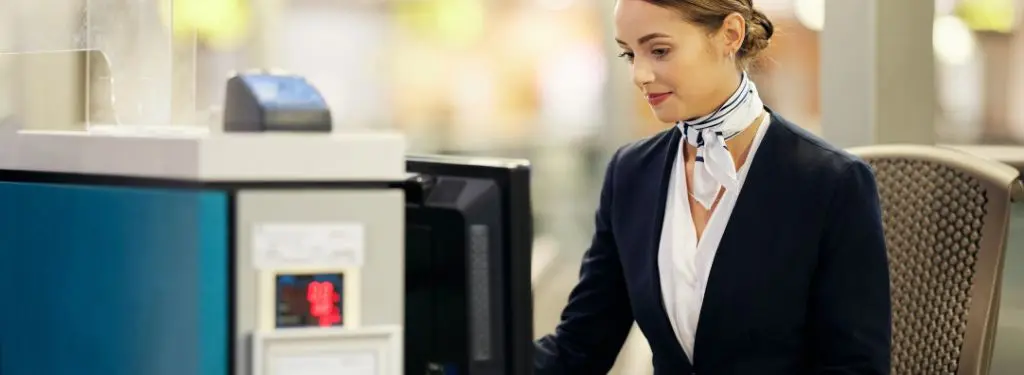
column 192, row 153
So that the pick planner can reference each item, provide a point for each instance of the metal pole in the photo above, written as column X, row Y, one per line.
column 877, row 72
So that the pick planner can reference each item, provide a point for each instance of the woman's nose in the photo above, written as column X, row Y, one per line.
column 642, row 74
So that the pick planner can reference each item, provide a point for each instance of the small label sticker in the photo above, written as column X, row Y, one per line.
column 308, row 245
column 325, row 363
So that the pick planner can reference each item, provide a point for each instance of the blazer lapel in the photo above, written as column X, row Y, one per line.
column 661, row 165
column 747, row 221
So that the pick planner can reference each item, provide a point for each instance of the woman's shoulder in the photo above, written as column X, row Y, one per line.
column 784, row 141
column 647, row 149
column 805, row 151
column 816, row 169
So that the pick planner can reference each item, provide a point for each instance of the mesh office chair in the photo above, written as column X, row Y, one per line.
column 946, row 216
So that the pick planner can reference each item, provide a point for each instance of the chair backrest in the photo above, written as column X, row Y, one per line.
column 946, row 216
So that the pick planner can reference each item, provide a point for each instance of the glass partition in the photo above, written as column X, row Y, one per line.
column 65, row 64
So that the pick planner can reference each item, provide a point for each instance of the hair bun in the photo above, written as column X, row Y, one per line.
column 759, row 33
column 761, row 19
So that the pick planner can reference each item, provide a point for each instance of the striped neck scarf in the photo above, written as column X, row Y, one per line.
column 715, row 168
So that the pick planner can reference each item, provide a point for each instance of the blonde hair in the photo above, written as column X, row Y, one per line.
column 711, row 13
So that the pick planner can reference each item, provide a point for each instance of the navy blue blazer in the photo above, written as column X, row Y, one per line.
column 799, row 285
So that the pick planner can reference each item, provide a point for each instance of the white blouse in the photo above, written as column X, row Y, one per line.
column 684, row 263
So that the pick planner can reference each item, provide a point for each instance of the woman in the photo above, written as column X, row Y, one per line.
column 738, row 242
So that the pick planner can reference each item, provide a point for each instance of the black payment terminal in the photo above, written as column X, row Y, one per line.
column 257, row 102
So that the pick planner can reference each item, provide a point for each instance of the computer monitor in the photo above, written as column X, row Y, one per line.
column 469, row 235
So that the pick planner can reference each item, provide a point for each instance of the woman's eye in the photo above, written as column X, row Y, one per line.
column 659, row 52
column 628, row 56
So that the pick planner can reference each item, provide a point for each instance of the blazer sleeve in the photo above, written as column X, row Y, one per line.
column 597, row 319
column 850, row 313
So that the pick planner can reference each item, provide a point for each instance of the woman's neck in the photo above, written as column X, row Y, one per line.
column 722, row 94
column 739, row 146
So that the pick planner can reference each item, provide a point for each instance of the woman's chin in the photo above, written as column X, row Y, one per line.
column 666, row 115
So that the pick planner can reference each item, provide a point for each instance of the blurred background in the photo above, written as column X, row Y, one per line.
column 534, row 79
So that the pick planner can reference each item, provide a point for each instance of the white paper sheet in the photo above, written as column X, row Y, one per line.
column 319, row 245
column 333, row 363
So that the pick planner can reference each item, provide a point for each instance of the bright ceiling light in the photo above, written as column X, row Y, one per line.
column 945, row 7
column 952, row 40
column 810, row 13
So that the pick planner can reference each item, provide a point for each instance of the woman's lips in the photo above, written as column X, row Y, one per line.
column 655, row 99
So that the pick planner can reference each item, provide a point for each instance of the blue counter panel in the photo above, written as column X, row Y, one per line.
column 113, row 281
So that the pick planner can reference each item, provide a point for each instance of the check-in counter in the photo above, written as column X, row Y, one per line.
column 147, row 250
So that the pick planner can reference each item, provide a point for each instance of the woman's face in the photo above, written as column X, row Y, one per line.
column 684, row 70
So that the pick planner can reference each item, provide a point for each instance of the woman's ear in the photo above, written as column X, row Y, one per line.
column 732, row 33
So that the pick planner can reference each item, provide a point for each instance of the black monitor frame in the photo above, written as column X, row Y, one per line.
column 513, row 175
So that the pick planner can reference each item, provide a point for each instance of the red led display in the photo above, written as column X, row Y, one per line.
column 310, row 300
column 323, row 302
